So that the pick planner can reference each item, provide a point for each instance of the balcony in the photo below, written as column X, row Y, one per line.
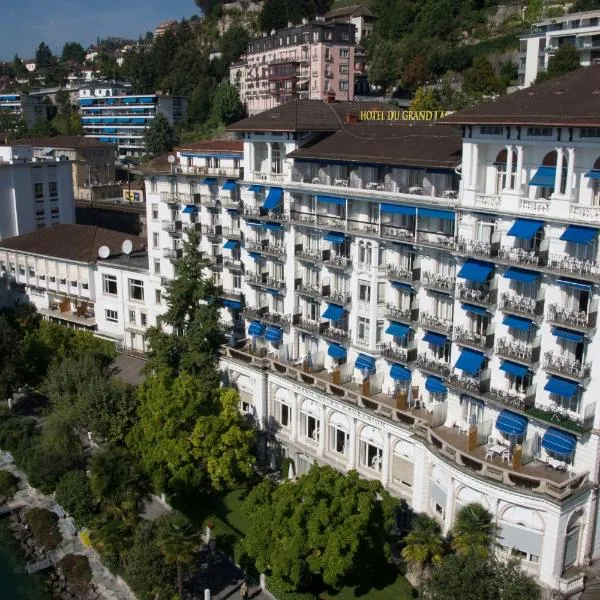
column 363, row 227
column 528, row 353
column 265, row 280
column 175, row 198
column 265, row 247
column 333, row 334
column 208, row 200
column 311, row 291
column 435, row 281
column 252, row 212
column 189, row 227
column 232, row 294
column 330, row 222
column 537, row 206
column 573, row 319
column 262, row 176
column 232, row 233
column 230, row 172
column 172, row 253
column 263, row 314
column 482, row 295
column 172, row 227
column 398, row 234
column 433, row 365
column 211, row 231
column 520, row 257
column 405, row 315
column 233, row 264
column 214, row 262
column 575, row 267
column 398, row 354
column 228, row 202
column 466, row 384
column 564, row 366
column 439, row 240
column 473, row 339
column 521, row 305
column 310, row 255
column 403, row 274
column 337, row 262
column 434, row 323
column 476, row 248
column 336, row 296
column 513, row 399
column 586, row 213
column 308, row 326
column 491, row 201
column 303, row 218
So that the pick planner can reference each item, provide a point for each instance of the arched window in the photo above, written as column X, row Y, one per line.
column 550, row 160
column 503, row 180
column 572, row 541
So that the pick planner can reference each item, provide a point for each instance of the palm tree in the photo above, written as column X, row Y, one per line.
column 474, row 531
column 423, row 546
column 178, row 542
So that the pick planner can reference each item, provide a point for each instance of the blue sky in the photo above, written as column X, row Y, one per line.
column 24, row 23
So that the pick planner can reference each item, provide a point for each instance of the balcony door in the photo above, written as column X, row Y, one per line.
column 472, row 411
column 575, row 300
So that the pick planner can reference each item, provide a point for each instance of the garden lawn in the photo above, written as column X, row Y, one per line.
column 399, row 589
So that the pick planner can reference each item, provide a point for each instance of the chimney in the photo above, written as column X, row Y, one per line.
column 351, row 118
column 330, row 98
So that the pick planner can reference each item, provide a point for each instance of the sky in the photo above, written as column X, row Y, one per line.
column 25, row 23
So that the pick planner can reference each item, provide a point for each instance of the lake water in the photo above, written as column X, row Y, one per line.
column 15, row 584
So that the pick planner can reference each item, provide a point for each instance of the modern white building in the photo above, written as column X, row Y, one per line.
column 31, row 108
column 581, row 30
column 34, row 192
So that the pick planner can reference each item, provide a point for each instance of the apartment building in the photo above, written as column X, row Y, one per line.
column 121, row 118
column 31, row 108
column 34, row 192
column 310, row 61
column 581, row 30
column 359, row 15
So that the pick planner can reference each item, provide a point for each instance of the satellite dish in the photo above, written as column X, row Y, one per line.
column 171, row 158
column 104, row 252
column 127, row 247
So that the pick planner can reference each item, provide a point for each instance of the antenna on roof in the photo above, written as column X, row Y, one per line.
column 126, row 247
column 104, row 252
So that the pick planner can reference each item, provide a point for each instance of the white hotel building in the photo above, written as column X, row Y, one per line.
column 416, row 302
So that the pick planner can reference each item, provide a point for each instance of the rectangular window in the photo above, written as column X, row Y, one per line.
column 38, row 190
column 30, row 272
column 157, row 296
column 157, row 266
column 283, row 414
column 109, row 284
column 155, row 240
column 53, row 189
column 136, row 289
column 155, row 212
column 344, row 69
column 490, row 130
column 237, row 281
column 111, row 315
column 379, row 331
column 539, row 131
column 364, row 292
column 344, row 53
column 590, row 132
column 381, row 292
column 339, row 440
column 371, row 456
column 132, row 317
column 62, row 281
column 343, row 86
column 84, row 286
column 21, row 270
column 143, row 319
column 364, row 328
column 310, row 426
column 73, row 284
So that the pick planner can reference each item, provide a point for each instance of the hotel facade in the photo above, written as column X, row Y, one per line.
column 415, row 301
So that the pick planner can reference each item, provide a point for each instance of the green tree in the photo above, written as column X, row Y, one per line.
column 73, row 51
column 73, row 493
column 565, row 60
column 234, row 43
column 200, row 101
column 11, row 366
column 159, row 137
column 474, row 531
column 425, row 99
column 322, row 529
column 414, row 73
column 481, row 78
column 44, row 57
column 42, row 128
column 384, row 65
column 178, row 541
column 18, row 67
column 423, row 546
column 227, row 107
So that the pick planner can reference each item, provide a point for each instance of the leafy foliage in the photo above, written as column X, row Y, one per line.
column 564, row 61
column 474, row 531
column 73, row 51
column 423, row 545
column 384, row 66
column 76, row 569
column 481, row 78
column 74, row 494
column 325, row 527
column 11, row 366
column 44, row 526
column 159, row 137
column 8, row 484
column 227, row 107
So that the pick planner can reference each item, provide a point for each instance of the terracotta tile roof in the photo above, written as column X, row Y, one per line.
column 572, row 99
column 66, row 142
column 305, row 115
column 159, row 164
column 72, row 242
column 355, row 10
column 421, row 144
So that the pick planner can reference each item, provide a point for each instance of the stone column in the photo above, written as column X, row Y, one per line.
column 509, row 165
column 385, row 461
column 519, row 177
column 322, row 430
column 449, row 509
column 570, row 171
column 295, row 418
column 559, row 165
column 352, row 446
column 474, row 165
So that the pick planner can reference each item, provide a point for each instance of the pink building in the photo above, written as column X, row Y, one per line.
column 313, row 60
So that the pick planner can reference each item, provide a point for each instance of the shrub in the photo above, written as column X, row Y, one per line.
column 8, row 484
column 282, row 591
column 74, row 495
column 44, row 525
column 76, row 568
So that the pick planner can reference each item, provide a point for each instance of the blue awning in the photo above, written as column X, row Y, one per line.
column 559, row 442
column 579, row 235
column 567, row 334
column 332, row 200
column 233, row 304
column 437, row 339
column 273, row 334
column 475, row 270
column 470, row 361
column 398, row 330
column 525, row 229
column 336, row 351
column 522, row 275
column 231, row 244
column 209, row 181
column 513, row 368
column 510, row 423
column 544, row 177
column 561, row 387
column 405, row 287
column 232, row 211
column 254, row 255
column 333, row 312
column 578, row 285
column 256, row 328
column 273, row 226
column 593, row 174
column 189, row 209
column 365, row 362
column 476, row 310
column 273, row 198
column 229, row 185
column 519, row 323
column 334, row 238
column 256, row 188
column 400, row 373
column 398, row 209
column 254, row 223
column 435, row 385
column 273, row 292
column 434, row 213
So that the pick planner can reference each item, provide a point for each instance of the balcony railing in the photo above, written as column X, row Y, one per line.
column 208, row 200
column 538, row 206
column 434, row 323
column 433, row 365
column 337, row 335
column 188, row 227
column 512, row 399
column 445, row 283
column 254, row 212
column 263, row 176
column 572, row 318
column 264, row 280
column 176, row 198
column 232, row 233
column 477, row 295
column 171, row 226
column 565, row 366
column 311, row 255
column 283, row 321
column 394, row 313
column 306, row 289
column 338, row 262
column 172, row 253
column 581, row 212
column 211, row 231
column 405, row 274
column 569, row 265
column 397, row 233
column 514, row 350
column 519, row 256
column 472, row 338
column 436, row 239
column 487, row 201
column 398, row 354
column 233, row 264
column 265, row 247
column 476, row 248
column 217, row 171
column 337, row 296
column 522, row 305
column 464, row 383
column 312, row 327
